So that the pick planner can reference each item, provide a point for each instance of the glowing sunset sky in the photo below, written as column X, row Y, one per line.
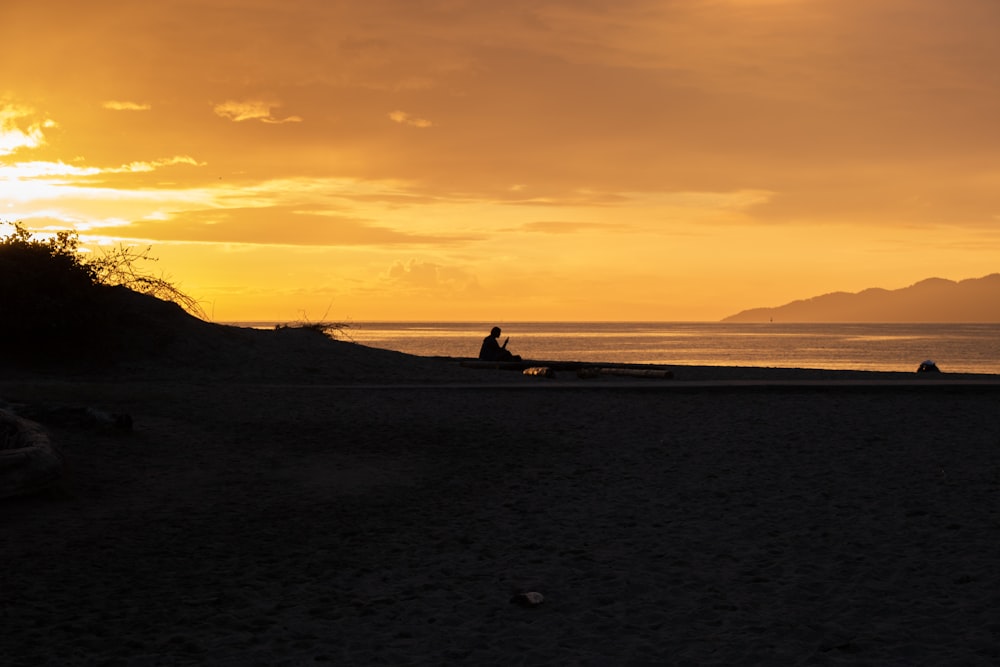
column 500, row 161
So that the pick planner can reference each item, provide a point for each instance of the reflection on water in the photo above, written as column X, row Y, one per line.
column 968, row 348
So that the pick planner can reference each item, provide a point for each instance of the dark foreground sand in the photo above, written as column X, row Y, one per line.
column 310, row 517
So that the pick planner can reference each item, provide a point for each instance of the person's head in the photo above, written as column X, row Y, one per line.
column 495, row 332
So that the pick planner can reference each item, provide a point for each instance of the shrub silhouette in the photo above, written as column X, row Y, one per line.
column 119, row 266
column 56, row 305
column 47, row 295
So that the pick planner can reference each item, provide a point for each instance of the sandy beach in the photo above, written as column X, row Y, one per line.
column 323, row 503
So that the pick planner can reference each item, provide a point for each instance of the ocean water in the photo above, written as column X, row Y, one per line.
column 956, row 348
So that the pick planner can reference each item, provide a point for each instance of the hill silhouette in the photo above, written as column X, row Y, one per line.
column 144, row 336
column 934, row 300
column 64, row 313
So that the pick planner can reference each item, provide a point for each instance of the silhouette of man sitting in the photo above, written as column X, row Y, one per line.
column 492, row 350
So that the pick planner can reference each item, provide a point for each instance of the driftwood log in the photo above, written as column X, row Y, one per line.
column 28, row 461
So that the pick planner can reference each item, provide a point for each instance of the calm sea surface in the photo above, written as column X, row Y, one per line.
column 956, row 348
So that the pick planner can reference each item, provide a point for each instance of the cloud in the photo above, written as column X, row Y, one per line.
column 237, row 112
column 13, row 135
column 153, row 165
column 40, row 169
column 404, row 118
column 428, row 275
column 280, row 225
column 117, row 105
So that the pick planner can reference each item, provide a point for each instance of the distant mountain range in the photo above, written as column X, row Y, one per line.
column 931, row 300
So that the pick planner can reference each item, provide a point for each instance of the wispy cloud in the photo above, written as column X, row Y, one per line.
column 42, row 169
column 239, row 111
column 404, row 118
column 153, row 165
column 15, row 135
column 118, row 105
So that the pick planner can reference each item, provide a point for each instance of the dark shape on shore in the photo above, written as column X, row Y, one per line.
column 528, row 599
column 931, row 300
column 28, row 461
column 492, row 350
column 77, row 417
column 928, row 367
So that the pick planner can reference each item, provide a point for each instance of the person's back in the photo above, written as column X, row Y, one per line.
column 491, row 350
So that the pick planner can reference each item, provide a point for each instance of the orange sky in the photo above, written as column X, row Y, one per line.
column 502, row 161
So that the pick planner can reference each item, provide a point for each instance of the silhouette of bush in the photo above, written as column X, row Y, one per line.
column 57, row 305
column 332, row 330
column 46, row 293
column 119, row 266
